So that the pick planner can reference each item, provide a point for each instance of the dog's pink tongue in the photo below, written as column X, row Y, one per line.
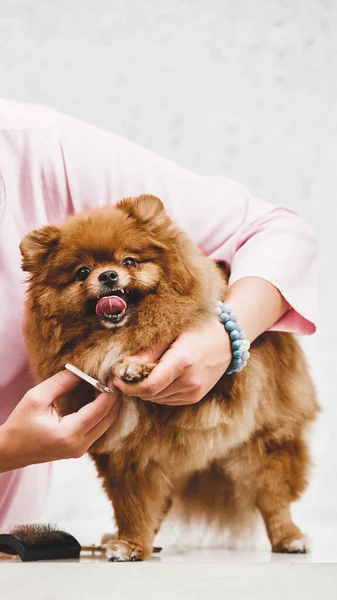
column 110, row 305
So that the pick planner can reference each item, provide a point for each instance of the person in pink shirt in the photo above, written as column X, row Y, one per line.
column 52, row 165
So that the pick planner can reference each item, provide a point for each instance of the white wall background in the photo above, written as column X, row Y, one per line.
column 247, row 89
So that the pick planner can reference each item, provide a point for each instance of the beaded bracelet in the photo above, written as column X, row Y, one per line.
column 240, row 345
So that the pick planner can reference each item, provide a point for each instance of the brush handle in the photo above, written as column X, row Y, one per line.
column 93, row 549
column 102, row 549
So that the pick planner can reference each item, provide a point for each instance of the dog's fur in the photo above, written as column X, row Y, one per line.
column 241, row 449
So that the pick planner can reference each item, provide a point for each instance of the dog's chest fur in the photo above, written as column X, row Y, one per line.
column 196, row 435
column 176, row 448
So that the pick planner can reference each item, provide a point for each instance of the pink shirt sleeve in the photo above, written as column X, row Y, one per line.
column 253, row 237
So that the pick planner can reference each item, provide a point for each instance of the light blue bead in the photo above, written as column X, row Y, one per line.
column 226, row 308
column 224, row 317
column 234, row 335
column 236, row 345
column 236, row 362
column 230, row 326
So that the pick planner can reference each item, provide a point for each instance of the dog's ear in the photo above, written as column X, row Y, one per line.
column 147, row 209
column 37, row 245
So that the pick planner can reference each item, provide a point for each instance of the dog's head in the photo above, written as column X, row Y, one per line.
column 100, row 265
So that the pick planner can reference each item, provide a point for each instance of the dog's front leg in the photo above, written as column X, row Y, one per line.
column 140, row 500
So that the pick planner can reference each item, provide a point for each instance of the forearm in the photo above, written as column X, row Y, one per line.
column 257, row 303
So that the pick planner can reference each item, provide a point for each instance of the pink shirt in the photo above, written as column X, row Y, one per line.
column 52, row 165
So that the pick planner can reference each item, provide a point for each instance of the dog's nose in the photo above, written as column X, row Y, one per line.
column 109, row 278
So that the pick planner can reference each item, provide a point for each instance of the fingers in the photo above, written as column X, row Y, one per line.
column 176, row 387
column 176, row 394
column 170, row 367
column 187, row 389
column 148, row 356
column 48, row 391
column 90, row 415
column 177, row 398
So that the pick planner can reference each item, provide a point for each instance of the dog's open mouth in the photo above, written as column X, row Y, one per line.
column 112, row 305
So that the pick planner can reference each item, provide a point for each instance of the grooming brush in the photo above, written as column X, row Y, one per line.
column 39, row 542
column 45, row 542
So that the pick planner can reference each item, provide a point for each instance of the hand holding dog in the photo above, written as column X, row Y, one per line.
column 34, row 432
column 194, row 363
column 187, row 369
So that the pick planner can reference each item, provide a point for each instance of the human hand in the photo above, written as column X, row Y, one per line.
column 189, row 368
column 34, row 432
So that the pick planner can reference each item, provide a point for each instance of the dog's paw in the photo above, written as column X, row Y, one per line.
column 122, row 551
column 108, row 537
column 133, row 372
column 296, row 546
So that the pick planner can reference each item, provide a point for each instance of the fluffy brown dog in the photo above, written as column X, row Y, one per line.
column 111, row 282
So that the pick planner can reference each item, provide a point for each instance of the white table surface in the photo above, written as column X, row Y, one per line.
column 157, row 580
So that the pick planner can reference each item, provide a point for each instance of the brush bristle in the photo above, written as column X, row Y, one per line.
column 37, row 533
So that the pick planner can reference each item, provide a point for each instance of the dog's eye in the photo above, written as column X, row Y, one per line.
column 129, row 262
column 82, row 273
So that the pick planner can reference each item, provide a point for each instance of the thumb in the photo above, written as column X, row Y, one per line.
column 49, row 390
column 150, row 355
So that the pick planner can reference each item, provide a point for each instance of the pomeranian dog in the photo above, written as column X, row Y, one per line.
column 111, row 282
